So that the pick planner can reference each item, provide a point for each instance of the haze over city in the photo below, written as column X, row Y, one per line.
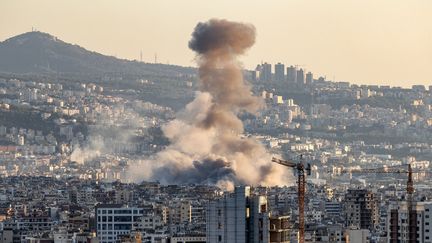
column 363, row 42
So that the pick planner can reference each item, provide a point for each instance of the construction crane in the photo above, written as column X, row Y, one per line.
column 412, row 220
column 301, row 183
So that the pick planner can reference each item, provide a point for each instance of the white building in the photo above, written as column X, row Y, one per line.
column 115, row 220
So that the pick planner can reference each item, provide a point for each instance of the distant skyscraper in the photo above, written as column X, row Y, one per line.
column 300, row 76
column 291, row 74
column 256, row 76
column 279, row 72
column 266, row 72
column 309, row 78
column 253, row 75
column 419, row 88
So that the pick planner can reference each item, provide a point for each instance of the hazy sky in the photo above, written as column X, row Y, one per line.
column 360, row 41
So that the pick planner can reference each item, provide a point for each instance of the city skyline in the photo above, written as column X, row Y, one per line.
column 96, row 149
column 372, row 42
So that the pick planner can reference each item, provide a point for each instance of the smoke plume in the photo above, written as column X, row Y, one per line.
column 207, row 145
column 116, row 133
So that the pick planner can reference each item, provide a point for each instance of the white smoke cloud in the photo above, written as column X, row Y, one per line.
column 207, row 145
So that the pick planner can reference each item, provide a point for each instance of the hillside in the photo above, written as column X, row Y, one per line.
column 41, row 53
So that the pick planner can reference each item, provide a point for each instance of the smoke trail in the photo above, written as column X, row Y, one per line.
column 206, row 142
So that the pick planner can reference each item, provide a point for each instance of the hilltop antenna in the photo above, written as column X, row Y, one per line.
column 140, row 56
column 155, row 58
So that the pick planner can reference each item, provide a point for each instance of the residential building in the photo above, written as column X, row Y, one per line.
column 291, row 74
column 115, row 220
column 279, row 72
column 361, row 209
column 238, row 217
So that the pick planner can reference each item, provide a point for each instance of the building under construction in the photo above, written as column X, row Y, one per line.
column 398, row 224
column 361, row 209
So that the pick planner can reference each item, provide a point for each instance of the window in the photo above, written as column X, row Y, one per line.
column 220, row 238
column 122, row 218
column 136, row 218
column 122, row 227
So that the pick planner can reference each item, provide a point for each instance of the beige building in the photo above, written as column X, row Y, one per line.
column 180, row 213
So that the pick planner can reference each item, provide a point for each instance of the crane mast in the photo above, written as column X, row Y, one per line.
column 412, row 215
column 301, row 183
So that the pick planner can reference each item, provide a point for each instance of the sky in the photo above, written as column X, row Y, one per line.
column 384, row 42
